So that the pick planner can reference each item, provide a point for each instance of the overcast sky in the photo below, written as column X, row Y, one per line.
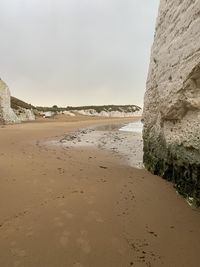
column 76, row 52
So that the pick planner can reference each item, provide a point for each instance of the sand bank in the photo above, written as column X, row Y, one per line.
column 85, row 207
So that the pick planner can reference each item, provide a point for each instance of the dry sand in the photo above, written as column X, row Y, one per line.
column 84, row 207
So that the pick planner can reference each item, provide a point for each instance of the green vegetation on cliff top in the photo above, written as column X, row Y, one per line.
column 17, row 103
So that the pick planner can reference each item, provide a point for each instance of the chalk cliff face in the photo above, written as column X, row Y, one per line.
column 172, row 101
column 25, row 114
column 113, row 114
column 7, row 115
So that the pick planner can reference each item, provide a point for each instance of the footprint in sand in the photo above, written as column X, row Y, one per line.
column 64, row 239
column 49, row 190
column 118, row 245
column 29, row 233
column 58, row 222
column 67, row 214
column 77, row 265
column 90, row 200
column 18, row 252
column 17, row 263
column 61, row 170
column 15, row 251
column 95, row 216
column 83, row 242
column 60, row 203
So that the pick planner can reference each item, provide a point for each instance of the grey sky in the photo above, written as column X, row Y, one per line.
column 76, row 52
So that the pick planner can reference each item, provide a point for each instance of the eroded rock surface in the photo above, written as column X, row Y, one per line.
column 7, row 115
column 172, row 101
column 25, row 114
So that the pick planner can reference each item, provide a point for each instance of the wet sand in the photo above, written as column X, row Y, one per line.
column 63, row 206
column 125, row 145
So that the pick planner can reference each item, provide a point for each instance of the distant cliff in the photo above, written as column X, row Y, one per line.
column 95, row 111
column 172, row 100
column 109, row 111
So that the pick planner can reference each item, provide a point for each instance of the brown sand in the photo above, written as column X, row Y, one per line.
column 81, row 208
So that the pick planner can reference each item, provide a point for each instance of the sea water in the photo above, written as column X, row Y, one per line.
column 135, row 127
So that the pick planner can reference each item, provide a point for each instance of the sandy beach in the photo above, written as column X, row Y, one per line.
column 70, row 201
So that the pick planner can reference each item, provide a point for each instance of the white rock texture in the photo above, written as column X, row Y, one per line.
column 25, row 114
column 68, row 113
column 7, row 115
column 113, row 114
column 172, row 101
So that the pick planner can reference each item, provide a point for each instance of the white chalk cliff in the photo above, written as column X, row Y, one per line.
column 16, row 114
column 7, row 115
column 25, row 114
column 113, row 114
column 172, row 101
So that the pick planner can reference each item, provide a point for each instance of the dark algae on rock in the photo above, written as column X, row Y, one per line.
column 176, row 164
